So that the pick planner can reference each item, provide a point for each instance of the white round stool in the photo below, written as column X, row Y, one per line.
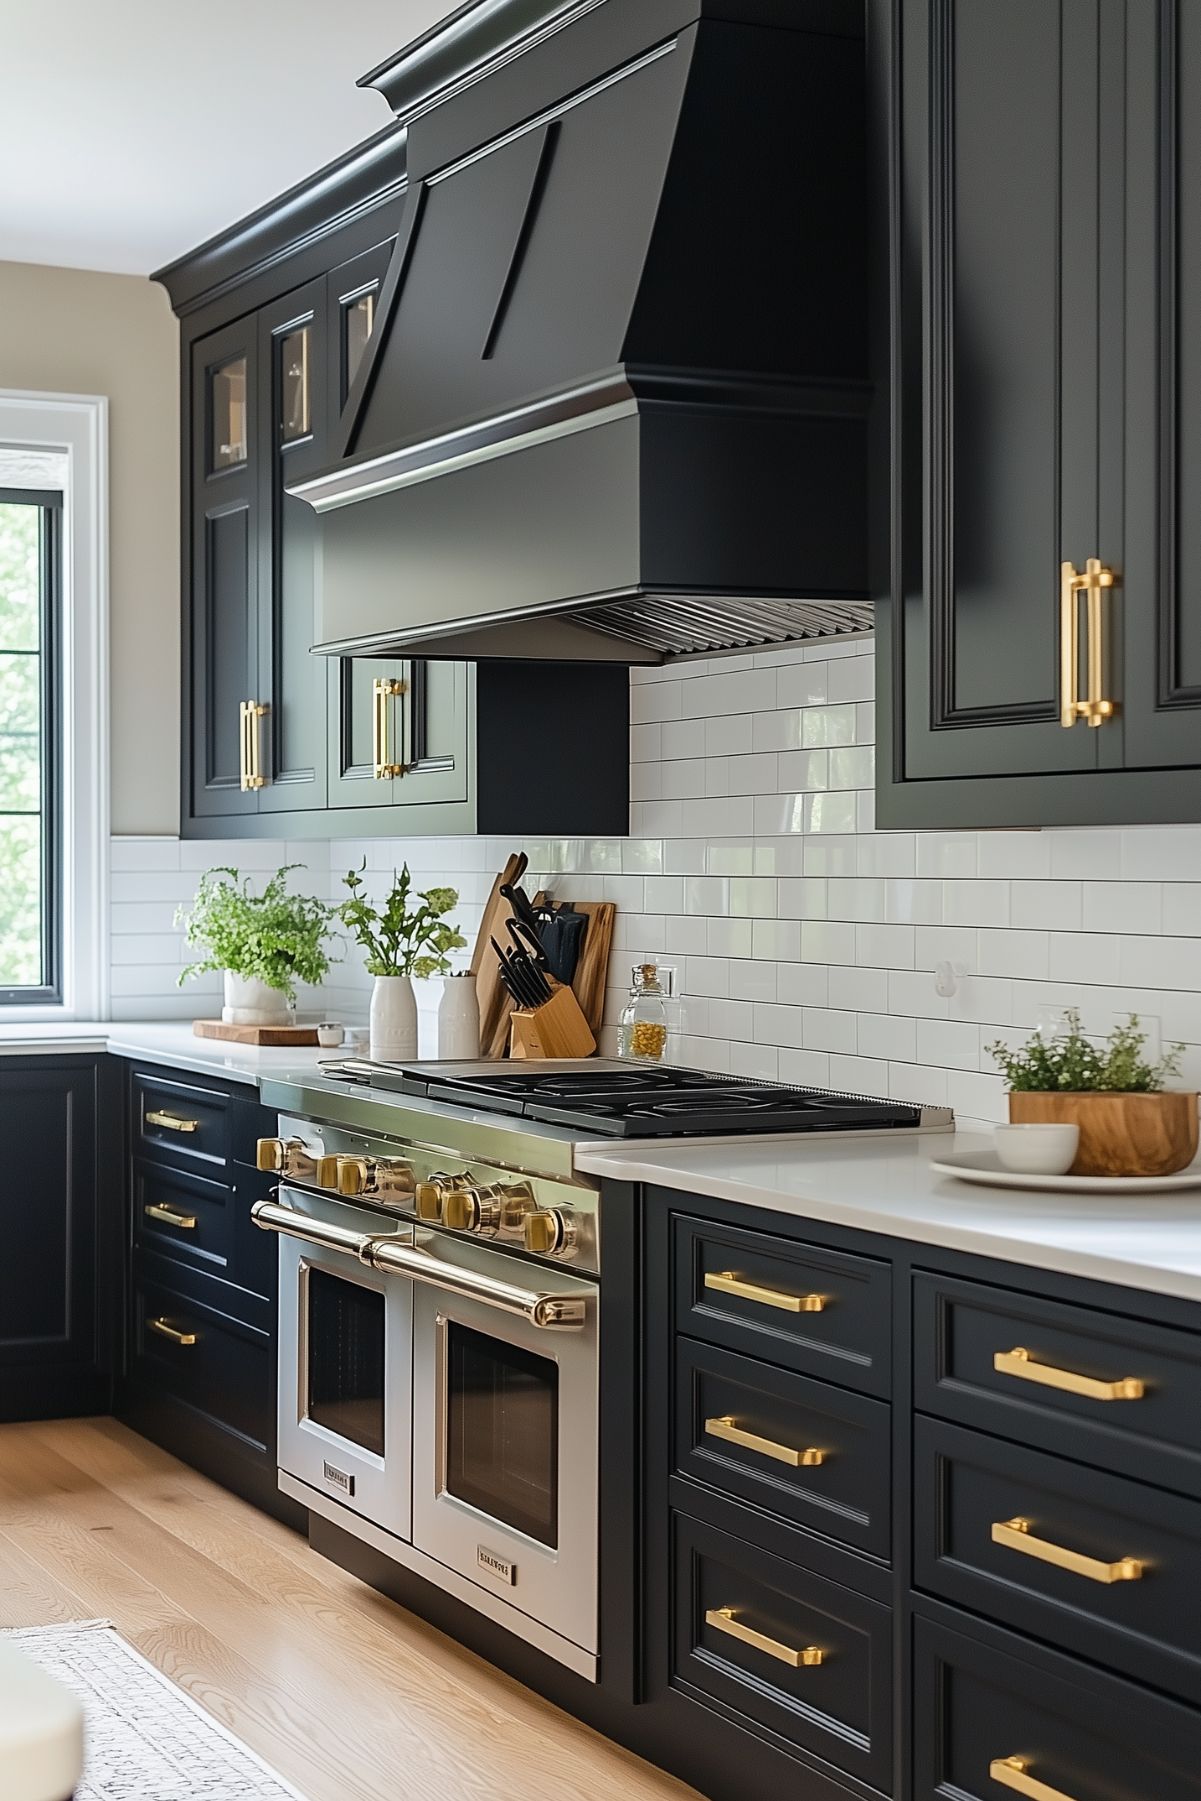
column 41, row 1733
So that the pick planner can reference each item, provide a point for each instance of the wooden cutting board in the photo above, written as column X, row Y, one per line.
column 496, row 1003
column 281, row 1037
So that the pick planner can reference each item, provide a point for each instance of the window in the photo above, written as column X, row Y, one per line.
column 30, row 761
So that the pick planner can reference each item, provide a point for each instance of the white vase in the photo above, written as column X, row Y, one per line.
column 459, row 1018
column 393, row 1020
column 249, row 1002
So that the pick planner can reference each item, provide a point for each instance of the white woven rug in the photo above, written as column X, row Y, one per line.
column 146, row 1739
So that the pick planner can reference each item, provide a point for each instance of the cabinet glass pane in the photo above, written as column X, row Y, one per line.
column 294, row 401
column 358, row 320
column 229, row 413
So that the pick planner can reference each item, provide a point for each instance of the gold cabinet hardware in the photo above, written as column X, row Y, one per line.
column 1092, row 583
column 165, row 1329
column 183, row 1222
column 724, row 1426
column 383, row 691
column 724, row 1619
column 250, row 713
column 1019, row 1363
column 1014, row 1773
column 1016, row 1535
column 170, row 1122
column 728, row 1283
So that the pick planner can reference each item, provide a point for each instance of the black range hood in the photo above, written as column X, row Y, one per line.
column 615, row 403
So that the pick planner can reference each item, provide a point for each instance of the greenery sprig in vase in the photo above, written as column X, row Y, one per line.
column 409, row 936
column 268, row 943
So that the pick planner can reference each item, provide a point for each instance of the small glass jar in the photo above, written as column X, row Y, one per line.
column 642, row 1034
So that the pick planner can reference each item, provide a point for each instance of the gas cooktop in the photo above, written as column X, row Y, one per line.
column 626, row 1100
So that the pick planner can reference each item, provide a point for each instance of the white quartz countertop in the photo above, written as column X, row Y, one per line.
column 1146, row 1241
column 163, row 1042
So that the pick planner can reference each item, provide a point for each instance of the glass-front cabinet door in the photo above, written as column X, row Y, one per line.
column 294, row 427
column 221, row 643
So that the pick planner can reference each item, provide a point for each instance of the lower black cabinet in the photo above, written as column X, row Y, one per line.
column 58, row 1274
column 996, row 1715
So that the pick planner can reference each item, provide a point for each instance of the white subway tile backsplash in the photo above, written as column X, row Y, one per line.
column 805, row 941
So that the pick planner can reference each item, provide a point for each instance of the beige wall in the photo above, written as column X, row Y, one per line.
column 73, row 331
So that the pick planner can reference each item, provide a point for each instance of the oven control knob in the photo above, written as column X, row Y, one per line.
column 431, row 1195
column 383, row 1178
column 550, row 1232
column 290, row 1157
column 488, row 1209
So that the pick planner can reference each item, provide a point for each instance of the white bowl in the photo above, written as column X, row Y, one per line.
column 1037, row 1150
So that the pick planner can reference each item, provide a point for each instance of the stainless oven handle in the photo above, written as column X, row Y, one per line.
column 273, row 1216
column 554, row 1312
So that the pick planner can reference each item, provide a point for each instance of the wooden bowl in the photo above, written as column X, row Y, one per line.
column 1120, row 1134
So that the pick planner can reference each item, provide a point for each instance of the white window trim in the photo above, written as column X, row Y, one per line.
column 77, row 424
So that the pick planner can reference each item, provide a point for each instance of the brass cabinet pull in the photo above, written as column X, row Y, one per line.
column 1015, row 1535
column 1019, row 1363
column 724, row 1426
column 1013, row 1772
column 250, row 712
column 723, row 1619
column 184, row 1222
column 171, row 1122
column 383, row 690
column 165, row 1329
column 729, row 1283
column 1092, row 583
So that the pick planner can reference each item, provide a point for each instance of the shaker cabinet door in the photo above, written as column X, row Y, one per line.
column 1160, row 594
column 998, row 305
column 225, row 523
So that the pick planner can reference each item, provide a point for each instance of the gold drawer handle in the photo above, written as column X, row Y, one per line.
column 723, row 1619
column 165, row 1329
column 383, row 689
column 729, row 1283
column 170, row 1122
column 185, row 1222
column 1094, row 580
column 1015, row 1535
column 1019, row 1363
column 724, row 1426
column 1013, row 1772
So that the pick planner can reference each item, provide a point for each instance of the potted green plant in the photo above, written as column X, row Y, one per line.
column 264, row 944
column 1130, row 1125
column 408, row 937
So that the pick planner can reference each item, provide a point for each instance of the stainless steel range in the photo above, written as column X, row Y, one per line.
column 441, row 1271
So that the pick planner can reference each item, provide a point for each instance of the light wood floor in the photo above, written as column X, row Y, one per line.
column 345, row 1694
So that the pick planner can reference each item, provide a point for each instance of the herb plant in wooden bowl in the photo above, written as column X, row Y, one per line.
column 1130, row 1124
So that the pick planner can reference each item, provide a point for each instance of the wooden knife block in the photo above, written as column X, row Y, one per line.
column 555, row 1029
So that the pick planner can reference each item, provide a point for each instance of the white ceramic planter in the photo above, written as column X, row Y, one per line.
column 393, row 1020
column 249, row 1002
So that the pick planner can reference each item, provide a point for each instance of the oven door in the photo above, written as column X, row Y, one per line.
column 505, row 1452
column 345, row 1364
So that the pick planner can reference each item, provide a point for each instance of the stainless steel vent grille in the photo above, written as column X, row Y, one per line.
column 688, row 625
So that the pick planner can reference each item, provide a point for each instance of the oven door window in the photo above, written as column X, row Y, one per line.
column 502, row 1431
column 346, row 1359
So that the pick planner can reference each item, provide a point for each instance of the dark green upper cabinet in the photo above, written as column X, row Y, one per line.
column 1040, row 405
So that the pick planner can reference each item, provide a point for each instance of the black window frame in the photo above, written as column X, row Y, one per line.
column 50, row 545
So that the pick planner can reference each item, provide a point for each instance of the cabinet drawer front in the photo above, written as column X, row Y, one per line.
column 782, row 1647
column 1074, row 1390
column 983, row 1700
column 822, row 1313
column 217, row 1364
column 814, row 1454
column 180, row 1123
column 1103, row 1566
column 182, row 1216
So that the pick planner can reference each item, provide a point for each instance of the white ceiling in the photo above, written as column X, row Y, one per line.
column 131, row 130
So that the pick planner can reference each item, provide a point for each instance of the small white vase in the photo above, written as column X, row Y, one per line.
column 393, row 1020
column 249, row 1002
column 459, row 1018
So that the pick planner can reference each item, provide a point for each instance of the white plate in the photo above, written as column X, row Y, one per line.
column 988, row 1169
